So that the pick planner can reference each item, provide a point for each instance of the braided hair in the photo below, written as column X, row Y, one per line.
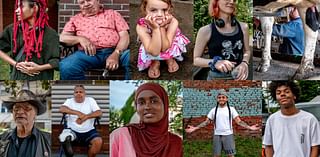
column 32, row 38
column 215, row 114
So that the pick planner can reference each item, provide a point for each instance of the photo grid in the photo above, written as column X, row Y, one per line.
column 159, row 78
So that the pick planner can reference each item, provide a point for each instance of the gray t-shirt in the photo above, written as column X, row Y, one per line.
column 292, row 136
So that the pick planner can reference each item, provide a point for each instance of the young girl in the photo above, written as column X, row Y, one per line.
column 160, row 36
column 228, row 43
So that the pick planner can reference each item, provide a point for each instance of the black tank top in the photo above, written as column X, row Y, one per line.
column 228, row 46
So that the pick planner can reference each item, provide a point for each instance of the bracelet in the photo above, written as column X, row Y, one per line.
column 245, row 62
column 213, row 62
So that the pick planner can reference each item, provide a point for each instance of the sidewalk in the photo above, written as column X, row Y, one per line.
column 279, row 70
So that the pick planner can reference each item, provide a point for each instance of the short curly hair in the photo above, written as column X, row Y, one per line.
column 294, row 87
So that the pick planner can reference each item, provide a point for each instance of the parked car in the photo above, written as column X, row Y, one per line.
column 311, row 107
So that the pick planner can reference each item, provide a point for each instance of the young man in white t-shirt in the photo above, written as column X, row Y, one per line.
column 82, row 112
column 221, row 116
column 290, row 132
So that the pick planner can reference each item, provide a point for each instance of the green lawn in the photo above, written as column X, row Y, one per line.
column 4, row 70
column 245, row 147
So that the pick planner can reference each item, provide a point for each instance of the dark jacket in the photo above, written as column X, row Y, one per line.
column 43, row 140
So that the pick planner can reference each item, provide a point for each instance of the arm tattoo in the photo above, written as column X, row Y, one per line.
column 203, row 124
column 243, row 124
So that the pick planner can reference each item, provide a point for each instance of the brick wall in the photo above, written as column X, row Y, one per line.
column 68, row 8
column 200, row 97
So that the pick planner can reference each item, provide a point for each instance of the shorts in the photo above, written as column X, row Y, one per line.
column 86, row 137
column 225, row 142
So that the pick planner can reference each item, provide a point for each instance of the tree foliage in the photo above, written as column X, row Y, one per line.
column 309, row 90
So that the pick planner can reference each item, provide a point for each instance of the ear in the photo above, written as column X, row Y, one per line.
column 35, row 8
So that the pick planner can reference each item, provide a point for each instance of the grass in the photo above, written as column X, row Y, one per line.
column 4, row 70
column 245, row 147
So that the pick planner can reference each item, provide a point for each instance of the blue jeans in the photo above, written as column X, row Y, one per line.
column 215, row 75
column 74, row 66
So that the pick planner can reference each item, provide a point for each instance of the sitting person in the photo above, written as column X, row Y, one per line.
column 292, row 34
column 31, row 55
column 160, row 36
column 81, row 112
column 102, row 38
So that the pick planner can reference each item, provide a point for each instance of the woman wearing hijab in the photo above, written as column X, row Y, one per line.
column 151, row 136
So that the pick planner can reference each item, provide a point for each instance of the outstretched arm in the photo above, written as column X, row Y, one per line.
column 245, row 125
column 191, row 129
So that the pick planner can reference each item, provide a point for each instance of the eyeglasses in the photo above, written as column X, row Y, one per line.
column 25, row 108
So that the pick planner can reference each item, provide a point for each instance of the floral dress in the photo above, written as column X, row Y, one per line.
column 178, row 47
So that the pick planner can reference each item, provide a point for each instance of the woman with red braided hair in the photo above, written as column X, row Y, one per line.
column 34, row 46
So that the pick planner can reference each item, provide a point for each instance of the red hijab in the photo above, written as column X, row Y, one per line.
column 154, row 140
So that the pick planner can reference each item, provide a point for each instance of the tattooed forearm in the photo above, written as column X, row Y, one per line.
column 243, row 124
column 203, row 124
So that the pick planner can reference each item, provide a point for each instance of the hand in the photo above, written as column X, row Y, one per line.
column 88, row 47
column 254, row 127
column 151, row 21
column 224, row 65
column 29, row 68
column 191, row 129
column 167, row 21
column 81, row 115
column 243, row 71
column 81, row 120
column 112, row 62
column 32, row 67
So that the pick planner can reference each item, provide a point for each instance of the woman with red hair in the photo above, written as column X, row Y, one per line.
column 227, row 41
column 34, row 46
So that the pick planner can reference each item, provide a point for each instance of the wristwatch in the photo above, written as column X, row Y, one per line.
column 119, row 52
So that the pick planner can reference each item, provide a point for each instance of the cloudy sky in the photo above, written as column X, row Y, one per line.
column 119, row 92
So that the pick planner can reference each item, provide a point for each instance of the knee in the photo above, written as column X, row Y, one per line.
column 97, row 142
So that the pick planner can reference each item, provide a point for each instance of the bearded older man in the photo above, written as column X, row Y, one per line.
column 25, row 140
column 102, row 38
